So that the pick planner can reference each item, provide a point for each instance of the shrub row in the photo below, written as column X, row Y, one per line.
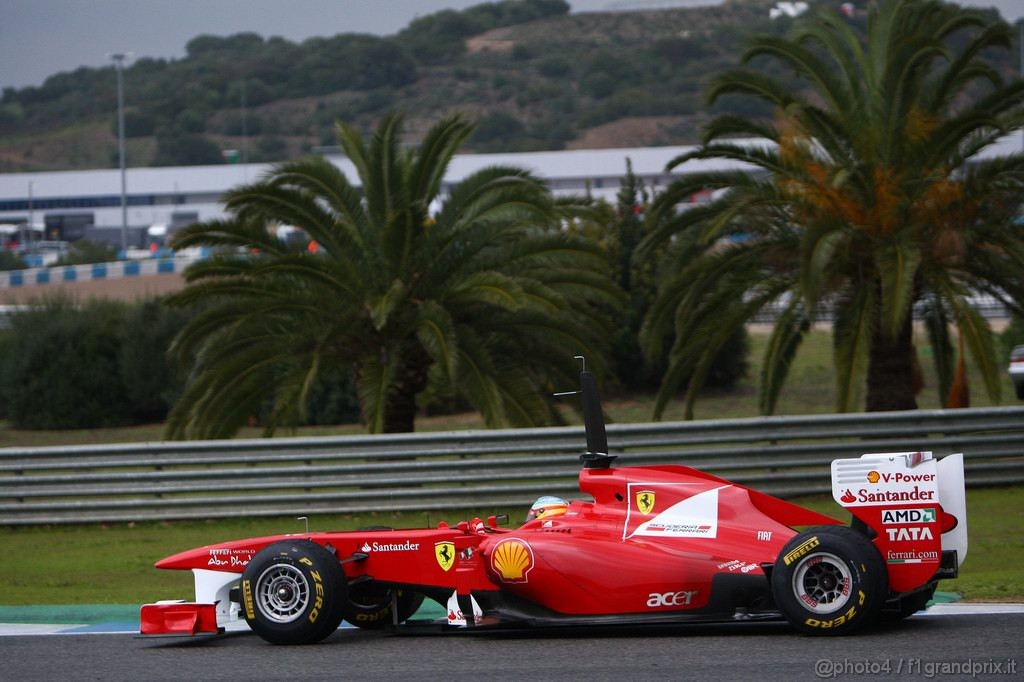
column 102, row 363
column 105, row 363
column 96, row 365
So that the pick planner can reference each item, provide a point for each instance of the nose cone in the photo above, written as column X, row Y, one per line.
column 229, row 556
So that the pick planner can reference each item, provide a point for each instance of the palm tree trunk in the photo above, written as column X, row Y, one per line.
column 891, row 369
column 400, row 411
column 400, row 414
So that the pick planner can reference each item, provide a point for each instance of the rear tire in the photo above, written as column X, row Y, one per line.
column 292, row 592
column 369, row 606
column 829, row 580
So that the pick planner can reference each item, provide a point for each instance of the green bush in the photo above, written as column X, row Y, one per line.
column 152, row 382
column 85, row 251
column 184, row 149
column 621, row 233
column 11, row 261
column 6, row 363
column 333, row 400
column 99, row 364
column 554, row 66
column 65, row 371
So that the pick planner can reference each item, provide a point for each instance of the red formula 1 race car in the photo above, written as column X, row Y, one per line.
column 658, row 544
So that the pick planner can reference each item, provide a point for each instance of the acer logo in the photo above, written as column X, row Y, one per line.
column 655, row 599
column 909, row 534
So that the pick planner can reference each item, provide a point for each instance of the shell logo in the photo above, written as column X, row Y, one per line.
column 512, row 560
column 873, row 477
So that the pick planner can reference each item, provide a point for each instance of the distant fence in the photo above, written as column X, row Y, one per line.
column 785, row 456
column 13, row 279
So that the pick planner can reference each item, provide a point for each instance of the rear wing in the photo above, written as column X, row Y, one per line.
column 917, row 507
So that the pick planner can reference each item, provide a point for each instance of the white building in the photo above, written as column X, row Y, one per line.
column 70, row 205
column 75, row 204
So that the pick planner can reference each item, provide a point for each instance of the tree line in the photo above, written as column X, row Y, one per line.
column 869, row 200
column 556, row 80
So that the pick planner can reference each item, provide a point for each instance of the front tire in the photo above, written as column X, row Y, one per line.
column 292, row 591
column 829, row 580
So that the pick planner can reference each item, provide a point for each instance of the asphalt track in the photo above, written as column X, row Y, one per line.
column 950, row 642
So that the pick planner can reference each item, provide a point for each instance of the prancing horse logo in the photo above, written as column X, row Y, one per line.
column 645, row 501
column 445, row 553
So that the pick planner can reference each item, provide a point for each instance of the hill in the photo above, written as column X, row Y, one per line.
column 532, row 75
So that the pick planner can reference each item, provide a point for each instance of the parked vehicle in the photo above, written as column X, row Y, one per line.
column 1017, row 370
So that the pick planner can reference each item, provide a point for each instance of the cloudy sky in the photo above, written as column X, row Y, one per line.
column 39, row 38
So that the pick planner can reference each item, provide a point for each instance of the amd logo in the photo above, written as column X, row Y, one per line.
column 655, row 600
column 893, row 516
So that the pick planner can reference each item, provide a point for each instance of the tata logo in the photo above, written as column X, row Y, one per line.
column 909, row 534
column 894, row 516
column 659, row 599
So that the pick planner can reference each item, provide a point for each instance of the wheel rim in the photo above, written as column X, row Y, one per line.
column 822, row 583
column 282, row 593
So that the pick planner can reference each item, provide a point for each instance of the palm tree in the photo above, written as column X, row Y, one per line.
column 485, row 293
column 864, row 195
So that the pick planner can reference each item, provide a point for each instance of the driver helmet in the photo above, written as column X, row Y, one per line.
column 546, row 506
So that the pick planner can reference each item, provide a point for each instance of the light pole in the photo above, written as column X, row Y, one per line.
column 119, row 67
column 31, row 218
column 245, row 132
column 1020, row 47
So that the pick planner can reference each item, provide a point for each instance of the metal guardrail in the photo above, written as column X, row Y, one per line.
column 785, row 456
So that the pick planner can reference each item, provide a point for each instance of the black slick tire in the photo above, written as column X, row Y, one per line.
column 829, row 580
column 368, row 606
column 292, row 591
